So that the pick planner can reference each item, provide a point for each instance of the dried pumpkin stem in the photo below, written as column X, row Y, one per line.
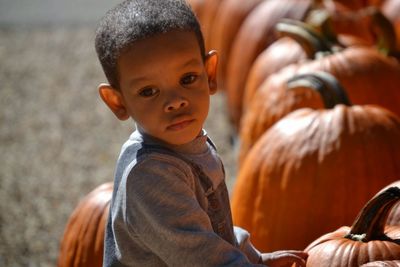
column 382, row 28
column 331, row 91
column 321, row 20
column 370, row 222
column 310, row 40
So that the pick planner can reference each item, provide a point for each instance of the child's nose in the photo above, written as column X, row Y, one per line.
column 176, row 103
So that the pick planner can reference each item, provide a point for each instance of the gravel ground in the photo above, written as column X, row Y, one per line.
column 58, row 140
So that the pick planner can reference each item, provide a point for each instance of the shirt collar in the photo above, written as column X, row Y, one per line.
column 196, row 146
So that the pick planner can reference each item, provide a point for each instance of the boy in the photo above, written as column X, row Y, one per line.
column 170, row 205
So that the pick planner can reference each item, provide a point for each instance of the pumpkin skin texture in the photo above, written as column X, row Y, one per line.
column 351, row 23
column 355, row 4
column 368, row 239
column 279, row 54
column 82, row 242
column 368, row 76
column 198, row 8
column 249, row 43
column 228, row 19
column 205, row 11
column 298, row 43
column 395, row 263
column 210, row 7
column 312, row 171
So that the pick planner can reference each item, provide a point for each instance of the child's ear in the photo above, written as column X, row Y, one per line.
column 211, row 63
column 113, row 100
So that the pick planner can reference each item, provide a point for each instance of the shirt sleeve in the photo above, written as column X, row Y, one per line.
column 163, row 212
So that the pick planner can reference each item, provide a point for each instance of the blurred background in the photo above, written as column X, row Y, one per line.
column 58, row 140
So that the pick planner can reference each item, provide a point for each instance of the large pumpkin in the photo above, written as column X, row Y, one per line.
column 368, row 239
column 313, row 170
column 255, row 34
column 368, row 76
column 228, row 19
column 82, row 242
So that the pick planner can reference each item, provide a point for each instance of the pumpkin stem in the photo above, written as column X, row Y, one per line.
column 321, row 20
column 370, row 222
column 310, row 40
column 383, row 31
column 325, row 84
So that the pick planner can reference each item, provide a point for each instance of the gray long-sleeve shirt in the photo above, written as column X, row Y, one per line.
column 158, row 212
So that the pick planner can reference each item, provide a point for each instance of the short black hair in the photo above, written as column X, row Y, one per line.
column 133, row 20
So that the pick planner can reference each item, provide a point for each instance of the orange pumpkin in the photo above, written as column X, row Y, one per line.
column 198, row 8
column 368, row 76
column 296, row 43
column 82, row 242
column 313, row 170
column 308, row 41
column 209, row 16
column 205, row 11
column 255, row 34
column 366, row 240
column 228, row 19
column 353, row 22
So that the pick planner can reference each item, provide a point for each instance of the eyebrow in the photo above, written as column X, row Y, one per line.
column 193, row 61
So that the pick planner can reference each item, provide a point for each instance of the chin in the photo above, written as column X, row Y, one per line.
column 183, row 138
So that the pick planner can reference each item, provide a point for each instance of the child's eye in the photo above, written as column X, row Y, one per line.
column 148, row 92
column 189, row 79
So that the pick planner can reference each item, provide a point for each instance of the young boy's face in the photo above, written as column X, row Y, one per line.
column 165, row 86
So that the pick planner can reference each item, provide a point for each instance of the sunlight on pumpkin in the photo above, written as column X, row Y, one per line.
column 291, row 127
column 102, row 197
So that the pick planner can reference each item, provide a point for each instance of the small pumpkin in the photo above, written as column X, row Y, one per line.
column 368, row 239
column 314, row 169
column 83, row 238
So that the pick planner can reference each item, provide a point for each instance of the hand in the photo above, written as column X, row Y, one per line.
column 284, row 258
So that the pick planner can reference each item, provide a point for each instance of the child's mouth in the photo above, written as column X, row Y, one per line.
column 180, row 125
